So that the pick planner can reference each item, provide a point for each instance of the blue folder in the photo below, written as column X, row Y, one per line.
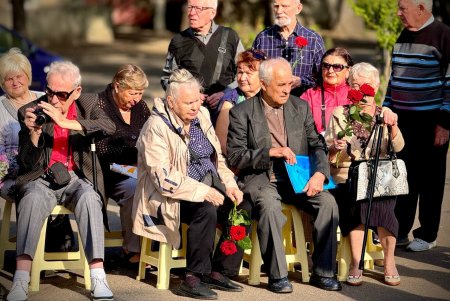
column 300, row 173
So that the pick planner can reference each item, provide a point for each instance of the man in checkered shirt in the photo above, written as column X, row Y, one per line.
column 279, row 41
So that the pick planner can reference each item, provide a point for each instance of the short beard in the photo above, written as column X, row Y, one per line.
column 285, row 21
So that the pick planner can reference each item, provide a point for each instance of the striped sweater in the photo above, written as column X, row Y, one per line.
column 420, row 78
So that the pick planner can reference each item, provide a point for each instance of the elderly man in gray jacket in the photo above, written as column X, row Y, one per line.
column 264, row 132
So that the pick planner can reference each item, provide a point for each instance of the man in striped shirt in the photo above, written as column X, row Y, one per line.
column 279, row 41
column 419, row 92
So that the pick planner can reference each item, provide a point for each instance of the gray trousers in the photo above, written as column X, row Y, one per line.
column 39, row 199
column 123, row 193
column 267, row 208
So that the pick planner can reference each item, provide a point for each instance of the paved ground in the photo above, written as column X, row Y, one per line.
column 425, row 276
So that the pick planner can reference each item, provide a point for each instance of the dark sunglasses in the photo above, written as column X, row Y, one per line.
column 62, row 96
column 258, row 54
column 336, row 67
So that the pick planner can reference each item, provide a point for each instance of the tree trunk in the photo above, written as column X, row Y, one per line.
column 159, row 22
column 19, row 18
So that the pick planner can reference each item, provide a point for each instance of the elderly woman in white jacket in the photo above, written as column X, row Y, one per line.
column 177, row 147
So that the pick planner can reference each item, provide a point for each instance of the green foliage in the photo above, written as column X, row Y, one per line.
column 381, row 16
column 244, row 243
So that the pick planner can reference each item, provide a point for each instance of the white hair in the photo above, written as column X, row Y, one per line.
column 266, row 68
column 181, row 78
column 14, row 61
column 365, row 70
column 67, row 70
column 428, row 4
column 213, row 3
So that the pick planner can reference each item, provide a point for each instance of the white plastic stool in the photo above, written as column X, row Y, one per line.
column 165, row 259
column 58, row 260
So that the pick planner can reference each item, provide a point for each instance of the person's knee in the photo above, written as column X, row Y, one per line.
column 90, row 199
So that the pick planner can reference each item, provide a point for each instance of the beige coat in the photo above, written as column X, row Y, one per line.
column 337, row 124
column 163, row 159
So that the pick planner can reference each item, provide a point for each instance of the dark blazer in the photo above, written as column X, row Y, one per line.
column 33, row 160
column 249, row 141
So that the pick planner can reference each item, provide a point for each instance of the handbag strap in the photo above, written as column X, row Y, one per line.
column 322, row 108
column 222, row 50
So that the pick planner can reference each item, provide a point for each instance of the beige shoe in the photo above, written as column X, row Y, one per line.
column 392, row 280
column 354, row 280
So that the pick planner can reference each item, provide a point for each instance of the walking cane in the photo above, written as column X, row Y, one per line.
column 378, row 133
column 94, row 165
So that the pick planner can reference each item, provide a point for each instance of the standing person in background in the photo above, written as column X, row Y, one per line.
column 419, row 92
column 15, row 78
column 331, row 88
column 122, row 102
column 279, row 40
column 207, row 50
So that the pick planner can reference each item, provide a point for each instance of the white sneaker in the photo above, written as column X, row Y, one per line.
column 19, row 291
column 418, row 245
column 100, row 290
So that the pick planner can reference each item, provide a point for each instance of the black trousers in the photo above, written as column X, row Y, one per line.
column 203, row 218
column 426, row 165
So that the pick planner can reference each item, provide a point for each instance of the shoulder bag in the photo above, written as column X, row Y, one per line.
column 391, row 175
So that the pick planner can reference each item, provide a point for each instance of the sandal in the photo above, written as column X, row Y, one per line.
column 354, row 280
column 392, row 280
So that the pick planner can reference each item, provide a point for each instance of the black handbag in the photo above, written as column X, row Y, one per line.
column 58, row 174
column 391, row 177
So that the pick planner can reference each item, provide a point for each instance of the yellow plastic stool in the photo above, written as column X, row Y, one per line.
column 58, row 260
column 164, row 260
column 373, row 252
column 292, row 232
column 113, row 239
column 6, row 243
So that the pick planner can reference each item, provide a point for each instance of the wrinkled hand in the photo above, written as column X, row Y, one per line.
column 340, row 144
column 213, row 100
column 390, row 118
column 441, row 135
column 235, row 195
column 53, row 112
column 30, row 119
column 315, row 184
column 214, row 197
column 283, row 152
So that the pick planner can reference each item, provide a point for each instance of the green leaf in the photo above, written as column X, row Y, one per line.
column 352, row 110
column 341, row 134
column 366, row 117
column 244, row 243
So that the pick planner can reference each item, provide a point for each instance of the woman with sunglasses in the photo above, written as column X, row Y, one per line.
column 15, row 79
column 122, row 102
column 248, row 86
column 331, row 86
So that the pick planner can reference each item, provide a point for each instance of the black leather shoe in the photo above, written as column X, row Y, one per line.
column 280, row 286
column 221, row 282
column 193, row 288
column 325, row 283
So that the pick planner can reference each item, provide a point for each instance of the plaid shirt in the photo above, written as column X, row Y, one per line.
column 274, row 45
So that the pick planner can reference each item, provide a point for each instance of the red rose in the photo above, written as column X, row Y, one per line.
column 301, row 42
column 228, row 247
column 367, row 90
column 355, row 96
column 237, row 232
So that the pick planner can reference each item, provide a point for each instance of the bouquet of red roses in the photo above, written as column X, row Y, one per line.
column 237, row 236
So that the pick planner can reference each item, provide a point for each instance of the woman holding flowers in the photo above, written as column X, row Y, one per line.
column 15, row 78
column 183, row 178
column 331, row 87
column 347, row 136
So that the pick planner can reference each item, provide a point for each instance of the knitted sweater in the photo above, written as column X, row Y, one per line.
column 420, row 78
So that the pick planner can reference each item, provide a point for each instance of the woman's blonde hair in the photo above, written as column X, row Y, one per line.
column 130, row 76
column 14, row 61
column 181, row 78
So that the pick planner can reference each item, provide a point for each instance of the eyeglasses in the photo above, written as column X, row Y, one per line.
column 336, row 67
column 198, row 9
column 62, row 96
column 258, row 54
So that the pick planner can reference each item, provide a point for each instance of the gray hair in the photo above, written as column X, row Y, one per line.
column 14, row 61
column 428, row 4
column 181, row 78
column 213, row 3
column 365, row 70
column 266, row 68
column 67, row 70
